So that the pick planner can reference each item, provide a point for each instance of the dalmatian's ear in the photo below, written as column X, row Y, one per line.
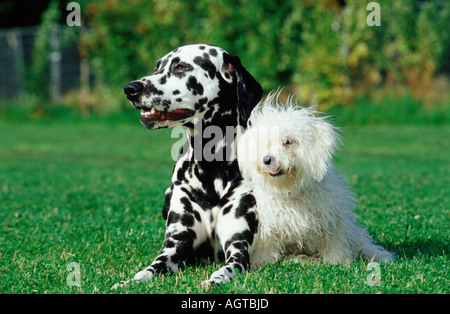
column 248, row 90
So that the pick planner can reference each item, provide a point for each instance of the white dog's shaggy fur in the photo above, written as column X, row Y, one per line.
column 303, row 206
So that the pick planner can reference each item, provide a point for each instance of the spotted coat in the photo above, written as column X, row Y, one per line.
column 209, row 209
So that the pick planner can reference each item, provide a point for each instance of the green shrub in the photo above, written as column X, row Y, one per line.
column 324, row 52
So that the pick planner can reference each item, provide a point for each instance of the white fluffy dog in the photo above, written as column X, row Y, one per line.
column 303, row 207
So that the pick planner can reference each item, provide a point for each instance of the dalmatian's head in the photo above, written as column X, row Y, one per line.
column 193, row 81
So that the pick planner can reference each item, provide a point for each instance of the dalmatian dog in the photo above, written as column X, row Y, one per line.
column 209, row 209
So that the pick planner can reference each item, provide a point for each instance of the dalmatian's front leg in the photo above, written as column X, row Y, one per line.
column 184, row 232
column 178, row 245
column 235, row 229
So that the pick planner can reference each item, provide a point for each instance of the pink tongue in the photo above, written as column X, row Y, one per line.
column 177, row 114
column 171, row 115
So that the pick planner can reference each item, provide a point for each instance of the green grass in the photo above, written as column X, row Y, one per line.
column 91, row 192
column 393, row 109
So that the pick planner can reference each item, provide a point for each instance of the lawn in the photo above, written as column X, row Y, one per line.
column 91, row 191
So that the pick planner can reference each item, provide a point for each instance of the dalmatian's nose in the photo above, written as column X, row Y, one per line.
column 133, row 90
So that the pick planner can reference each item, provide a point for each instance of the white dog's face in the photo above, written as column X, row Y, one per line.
column 286, row 147
column 271, row 154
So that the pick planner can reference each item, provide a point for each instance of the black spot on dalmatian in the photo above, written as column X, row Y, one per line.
column 187, row 220
column 162, row 258
column 209, row 113
column 168, row 244
column 159, row 268
column 175, row 92
column 187, row 205
column 194, row 86
column 156, row 101
column 206, row 65
column 190, row 210
column 235, row 182
column 197, row 216
column 245, row 203
column 198, row 196
column 182, row 170
column 205, row 251
column 173, row 218
column 200, row 103
column 237, row 239
column 227, row 209
column 150, row 89
column 163, row 80
column 167, row 198
column 174, row 62
column 252, row 222
column 166, row 105
column 188, row 234
column 213, row 52
column 160, row 64
column 184, row 247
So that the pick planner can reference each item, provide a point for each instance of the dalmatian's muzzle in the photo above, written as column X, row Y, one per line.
column 150, row 117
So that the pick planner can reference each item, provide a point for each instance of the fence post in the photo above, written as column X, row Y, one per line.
column 84, row 78
column 14, row 38
column 55, row 65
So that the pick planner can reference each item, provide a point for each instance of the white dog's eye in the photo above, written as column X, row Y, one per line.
column 288, row 142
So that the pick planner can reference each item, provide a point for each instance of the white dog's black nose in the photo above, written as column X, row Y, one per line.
column 268, row 159
column 133, row 90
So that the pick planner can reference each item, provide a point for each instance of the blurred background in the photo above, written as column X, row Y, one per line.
column 324, row 51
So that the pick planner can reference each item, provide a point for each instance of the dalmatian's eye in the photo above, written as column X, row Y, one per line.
column 180, row 67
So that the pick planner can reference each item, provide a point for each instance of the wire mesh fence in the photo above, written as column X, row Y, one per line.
column 16, row 46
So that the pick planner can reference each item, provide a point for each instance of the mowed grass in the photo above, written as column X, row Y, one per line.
column 91, row 192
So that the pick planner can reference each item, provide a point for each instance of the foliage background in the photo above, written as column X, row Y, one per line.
column 322, row 50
